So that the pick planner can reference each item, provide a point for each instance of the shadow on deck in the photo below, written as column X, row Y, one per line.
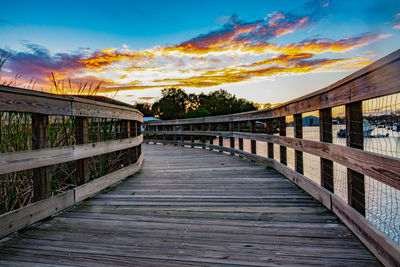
column 192, row 207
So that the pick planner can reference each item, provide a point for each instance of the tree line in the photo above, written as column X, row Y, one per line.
column 175, row 103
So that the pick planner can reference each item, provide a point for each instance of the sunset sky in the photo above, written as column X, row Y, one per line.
column 264, row 51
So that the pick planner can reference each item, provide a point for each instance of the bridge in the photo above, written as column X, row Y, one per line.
column 262, row 188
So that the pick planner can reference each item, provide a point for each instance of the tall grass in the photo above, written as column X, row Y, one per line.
column 16, row 135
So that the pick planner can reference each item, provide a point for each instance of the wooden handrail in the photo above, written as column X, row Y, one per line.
column 21, row 100
column 25, row 160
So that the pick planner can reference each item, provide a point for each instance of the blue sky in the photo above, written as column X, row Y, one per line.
column 145, row 44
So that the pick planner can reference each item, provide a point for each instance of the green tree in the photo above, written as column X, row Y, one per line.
column 221, row 102
column 145, row 108
column 200, row 112
column 176, row 104
column 172, row 105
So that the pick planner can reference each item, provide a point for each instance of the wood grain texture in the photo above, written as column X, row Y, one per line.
column 86, row 190
column 14, row 99
column 219, row 210
column 24, row 160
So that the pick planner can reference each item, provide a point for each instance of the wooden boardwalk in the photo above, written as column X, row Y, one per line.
column 192, row 207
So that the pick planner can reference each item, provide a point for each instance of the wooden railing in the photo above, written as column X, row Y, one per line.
column 103, row 139
column 382, row 78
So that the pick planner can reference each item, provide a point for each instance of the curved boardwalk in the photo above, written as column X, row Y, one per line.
column 192, row 207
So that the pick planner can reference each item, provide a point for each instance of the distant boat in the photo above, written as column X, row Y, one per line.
column 367, row 130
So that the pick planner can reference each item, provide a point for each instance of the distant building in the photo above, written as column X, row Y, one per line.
column 310, row 121
column 146, row 119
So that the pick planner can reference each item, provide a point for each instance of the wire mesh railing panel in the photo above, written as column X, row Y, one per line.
column 106, row 163
column 382, row 207
column 15, row 190
column 290, row 158
column 15, row 131
column 289, row 126
column 103, row 129
column 63, row 177
column 277, row 155
column 340, row 181
column 312, row 167
column 61, row 131
column 381, row 125
column 262, row 148
column 339, row 125
column 247, row 145
column 310, row 122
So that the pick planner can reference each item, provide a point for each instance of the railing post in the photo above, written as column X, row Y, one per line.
column 282, row 132
column 270, row 130
column 125, row 133
column 354, row 138
column 41, row 176
column 174, row 136
column 203, row 137
column 191, row 136
column 253, row 142
column 232, row 139
column 164, row 136
column 220, row 137
column 182, row 136
column 81, row 135
column 133, row 132
column 138, row 133
column 298, row 133
column 325, row 134
column 240, row 139
column 211, row 137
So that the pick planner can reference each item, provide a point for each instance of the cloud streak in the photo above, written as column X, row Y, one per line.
column 239, row 52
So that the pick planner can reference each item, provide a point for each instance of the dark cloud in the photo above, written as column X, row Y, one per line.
column 37, row 62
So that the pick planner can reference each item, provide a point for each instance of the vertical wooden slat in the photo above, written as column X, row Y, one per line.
column 253, row 142
column 133, row 133
column 211, row 137
column 282, row 132
column 138, row 128
column 182, row 136
column 240, row 128
column 138, row 133
column 125, row 133
column 203, row 137
column 298, row 133
column 191, row 136
column 41, row 176
column 325, row 133
column 269, row 129
column 232, row 139
column 354, row 138
column 174, row 136
column 220, row 137
column 81, row 135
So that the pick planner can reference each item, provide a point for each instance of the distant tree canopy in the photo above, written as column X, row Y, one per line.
column 145, row 108
column 177, row 104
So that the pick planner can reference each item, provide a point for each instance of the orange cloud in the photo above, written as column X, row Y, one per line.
column 240, row 51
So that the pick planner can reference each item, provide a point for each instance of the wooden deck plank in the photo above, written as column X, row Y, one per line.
column 192, row 207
